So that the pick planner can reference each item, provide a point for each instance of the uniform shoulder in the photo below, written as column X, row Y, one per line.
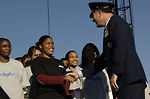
column 118, row 19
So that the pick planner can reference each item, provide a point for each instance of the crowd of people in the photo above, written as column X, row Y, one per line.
column 114, row 73
column 39, row 75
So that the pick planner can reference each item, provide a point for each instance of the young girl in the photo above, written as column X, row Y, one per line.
column 73, row 61
column 98, row 86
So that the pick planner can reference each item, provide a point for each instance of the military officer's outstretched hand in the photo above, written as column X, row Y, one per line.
column 74, row 75
column 113, row 82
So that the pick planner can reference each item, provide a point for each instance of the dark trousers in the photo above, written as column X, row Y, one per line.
column 33, row 88
column 133, row 91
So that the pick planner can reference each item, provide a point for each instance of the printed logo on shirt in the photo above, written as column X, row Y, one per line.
column 61, row 66
column 7, row 74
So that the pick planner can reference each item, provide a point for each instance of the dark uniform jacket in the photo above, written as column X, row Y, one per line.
column 119, row 54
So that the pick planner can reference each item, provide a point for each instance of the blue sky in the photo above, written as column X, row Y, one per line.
column 24, row 21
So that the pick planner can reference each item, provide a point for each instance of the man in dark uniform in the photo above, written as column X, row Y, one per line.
column 126, row 73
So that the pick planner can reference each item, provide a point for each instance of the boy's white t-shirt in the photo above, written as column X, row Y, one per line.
column 28, row 71
column 13, row 78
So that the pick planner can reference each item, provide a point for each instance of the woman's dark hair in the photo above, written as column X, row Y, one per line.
column 88, row 54
column 41, row 40
column 62, row 59
column 18, row 58
column 67, row 54
column 23, row 59
column 4, row 39
column 31, row 50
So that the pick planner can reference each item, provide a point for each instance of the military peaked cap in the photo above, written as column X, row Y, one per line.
column 99, row 6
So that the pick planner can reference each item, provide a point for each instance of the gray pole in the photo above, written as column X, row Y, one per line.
column 48, row 17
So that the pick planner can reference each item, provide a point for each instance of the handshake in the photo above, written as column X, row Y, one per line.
column 71, row 77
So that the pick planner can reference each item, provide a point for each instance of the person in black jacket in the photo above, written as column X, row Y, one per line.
column 119, row 54
column 48, row 73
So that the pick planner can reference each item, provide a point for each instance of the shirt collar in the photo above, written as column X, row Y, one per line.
column 107, row 23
